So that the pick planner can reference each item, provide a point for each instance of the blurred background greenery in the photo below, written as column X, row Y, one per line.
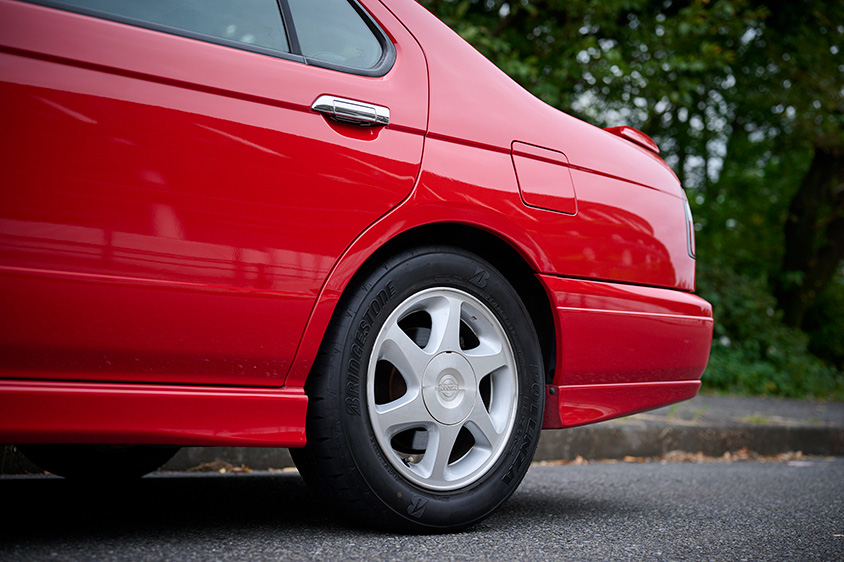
column 746, row 101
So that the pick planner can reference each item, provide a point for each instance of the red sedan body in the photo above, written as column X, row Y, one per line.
column 178, row 223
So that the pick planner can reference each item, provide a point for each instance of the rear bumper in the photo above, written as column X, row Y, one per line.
column 622, row 349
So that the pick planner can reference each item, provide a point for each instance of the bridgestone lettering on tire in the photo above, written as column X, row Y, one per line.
column 426, row 401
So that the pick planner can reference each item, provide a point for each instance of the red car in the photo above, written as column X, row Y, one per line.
column 247, row 222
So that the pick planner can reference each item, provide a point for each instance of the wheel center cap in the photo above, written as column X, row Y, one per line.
column 449, row 388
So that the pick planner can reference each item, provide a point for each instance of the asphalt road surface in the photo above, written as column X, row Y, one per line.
column 630, row 511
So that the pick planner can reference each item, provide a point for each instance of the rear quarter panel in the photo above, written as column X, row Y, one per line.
column 629, row 226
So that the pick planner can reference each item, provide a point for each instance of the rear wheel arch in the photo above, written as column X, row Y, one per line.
column 498, row 252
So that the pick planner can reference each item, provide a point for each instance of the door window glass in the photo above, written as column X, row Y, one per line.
column 250, row 22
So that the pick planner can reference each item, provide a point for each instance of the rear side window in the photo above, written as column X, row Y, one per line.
column 336, row 34
column 332, row 31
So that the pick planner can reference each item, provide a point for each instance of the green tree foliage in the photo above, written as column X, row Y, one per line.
column 746, row 100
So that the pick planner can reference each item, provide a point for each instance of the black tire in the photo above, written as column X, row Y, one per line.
column 99, row 462
column 409, row 437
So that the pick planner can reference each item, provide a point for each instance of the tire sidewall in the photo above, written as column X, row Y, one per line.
column 385, row 290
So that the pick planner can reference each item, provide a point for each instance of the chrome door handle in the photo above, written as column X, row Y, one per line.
column 350, row 111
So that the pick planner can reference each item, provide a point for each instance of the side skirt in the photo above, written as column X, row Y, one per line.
column 73, row 412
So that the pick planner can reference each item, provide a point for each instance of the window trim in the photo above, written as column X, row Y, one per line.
column 382, row 67
column 289, row 28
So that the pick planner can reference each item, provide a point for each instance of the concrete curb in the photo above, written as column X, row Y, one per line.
column 619, row 441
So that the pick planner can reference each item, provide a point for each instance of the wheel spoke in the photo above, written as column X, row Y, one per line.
column 483, row 427
column 405, row 355
column 440, row 450
column 485, row 359
column 406, row 412
column 445, row 325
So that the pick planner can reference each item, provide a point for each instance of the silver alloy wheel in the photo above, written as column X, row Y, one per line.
column 442, row 389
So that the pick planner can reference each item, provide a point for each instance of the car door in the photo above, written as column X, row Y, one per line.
column 172, row 196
